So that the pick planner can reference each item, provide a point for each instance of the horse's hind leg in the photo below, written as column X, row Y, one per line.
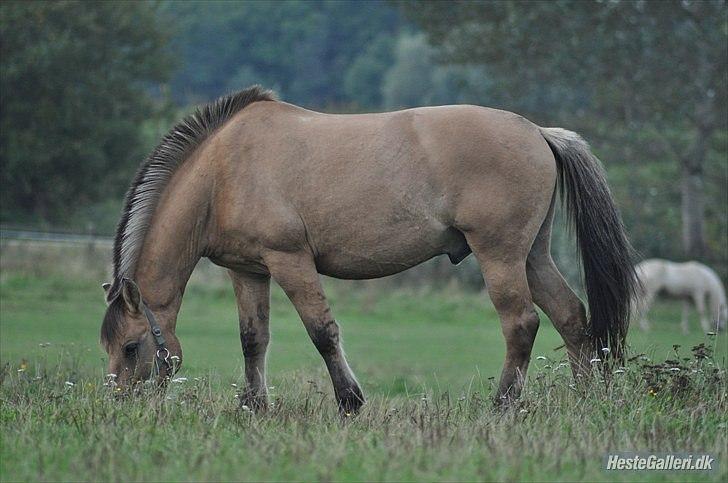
column 551, row 292
column 253, row 298
column 504, row 271
column 699, row 300
column 296, row 274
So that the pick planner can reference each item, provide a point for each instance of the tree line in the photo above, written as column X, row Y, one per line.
column 88, row 88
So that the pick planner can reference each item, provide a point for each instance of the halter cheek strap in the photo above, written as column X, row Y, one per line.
column 162, row 354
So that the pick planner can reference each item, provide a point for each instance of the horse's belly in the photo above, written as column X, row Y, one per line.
column 387, row 257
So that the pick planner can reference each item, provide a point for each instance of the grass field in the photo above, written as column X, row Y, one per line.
column 426, row 360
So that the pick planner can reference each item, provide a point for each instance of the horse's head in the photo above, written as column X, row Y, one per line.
column 136, row 339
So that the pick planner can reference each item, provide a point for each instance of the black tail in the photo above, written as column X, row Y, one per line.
column 607, row 257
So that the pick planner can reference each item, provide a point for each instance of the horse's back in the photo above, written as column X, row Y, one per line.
column 437, row 158
column 679, row 279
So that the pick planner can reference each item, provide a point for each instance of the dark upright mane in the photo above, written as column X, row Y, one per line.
column 152, row 177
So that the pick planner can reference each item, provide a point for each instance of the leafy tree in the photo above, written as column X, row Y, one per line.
column 415, row 79
column 303, row 49
column 409, row 81
column 74, row 89
column 364, row 77
column 648, row 77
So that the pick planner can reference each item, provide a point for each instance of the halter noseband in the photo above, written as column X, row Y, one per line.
column 162, row 354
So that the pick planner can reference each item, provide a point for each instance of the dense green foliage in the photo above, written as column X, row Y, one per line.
column 425, row 359
column 314, row 53
column 74, row 90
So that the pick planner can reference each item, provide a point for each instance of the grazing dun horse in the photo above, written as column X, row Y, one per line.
column 692, row 282
column 268, row 190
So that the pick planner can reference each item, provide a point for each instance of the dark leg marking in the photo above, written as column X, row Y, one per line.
column 325, row 337
column 253, row 343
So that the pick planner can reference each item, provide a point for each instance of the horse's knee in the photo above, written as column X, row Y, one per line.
column 325, row 336
column 253, row 339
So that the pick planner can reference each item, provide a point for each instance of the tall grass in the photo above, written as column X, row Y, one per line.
column 59, row 424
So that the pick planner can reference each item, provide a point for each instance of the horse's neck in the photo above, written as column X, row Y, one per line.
column 173, row 244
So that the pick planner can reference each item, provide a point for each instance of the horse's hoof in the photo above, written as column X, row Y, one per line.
column 505, row 402
column 351, row 401
column 254, row 402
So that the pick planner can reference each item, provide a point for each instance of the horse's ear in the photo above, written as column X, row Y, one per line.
column 106, row 286
column 132, row 296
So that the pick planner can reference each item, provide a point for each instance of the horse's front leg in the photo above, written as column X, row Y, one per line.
column 296, row 274
column 685, row 322
column 253, row 297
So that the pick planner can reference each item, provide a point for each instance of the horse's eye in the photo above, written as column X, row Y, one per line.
column 130, row 349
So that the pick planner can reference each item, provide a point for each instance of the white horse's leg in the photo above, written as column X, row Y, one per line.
column 699, row 299
column 644, row 324
column 644, row 306
column 685, row 324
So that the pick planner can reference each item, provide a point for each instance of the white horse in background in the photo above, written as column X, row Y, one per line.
column 692, row 282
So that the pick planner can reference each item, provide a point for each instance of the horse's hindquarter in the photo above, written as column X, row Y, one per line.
column 375, row 194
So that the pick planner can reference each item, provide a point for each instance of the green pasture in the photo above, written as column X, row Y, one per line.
column 426, row 359
column 394, row 339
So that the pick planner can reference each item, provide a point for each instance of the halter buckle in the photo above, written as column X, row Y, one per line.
column 164, row 359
